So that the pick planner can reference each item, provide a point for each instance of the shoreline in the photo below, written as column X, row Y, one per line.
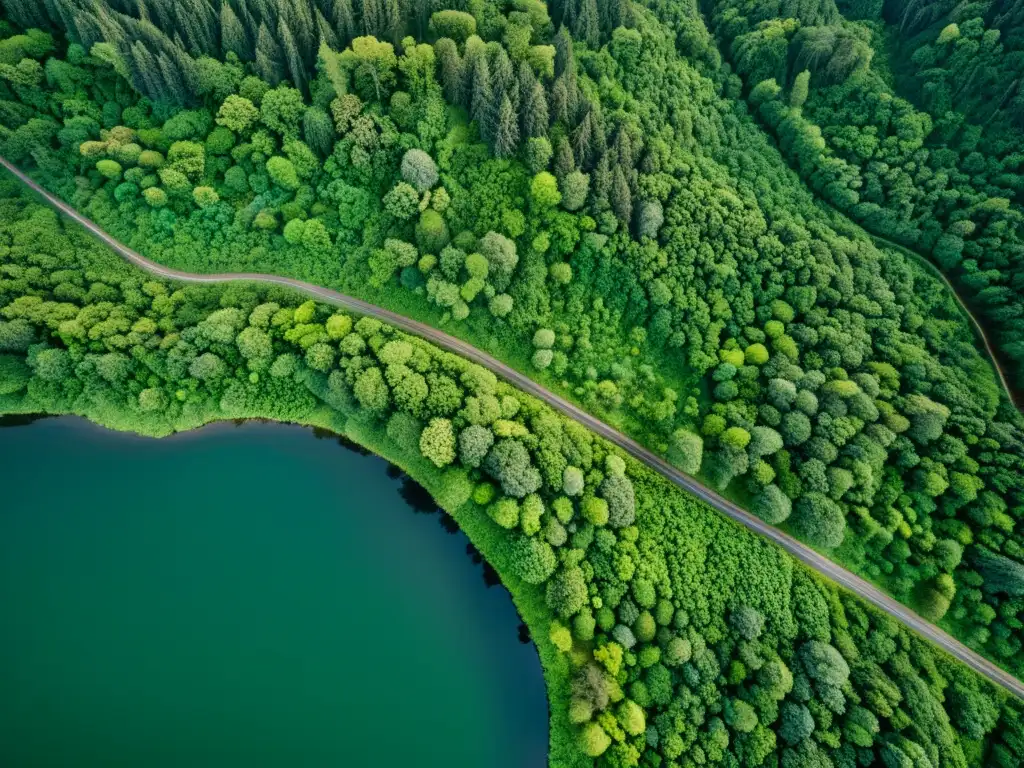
column 460, row 518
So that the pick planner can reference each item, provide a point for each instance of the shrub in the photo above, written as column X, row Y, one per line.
column 595, row 510
column 740, row 715
column 474, row 443
column 204, row 197
column 282, row 173
column 771, row 505
column 505, row 512
column 402, row 202
column 431, row 231
column 593, row 740
column 819, row 520
column 109, row 169
column 544, row 191
column 237, row 114
column 575, row 188
column 509, row 463
column 419, row 169
column 567, row 592
column 437, row 442
column 797, row 724
column 457, row 25
column 530, row 559
column 686, row 451
column 155, row 197
column 542, row 358
column 678, row 651
column 747, row 621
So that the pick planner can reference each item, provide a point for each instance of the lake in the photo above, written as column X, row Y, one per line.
column 245, row 596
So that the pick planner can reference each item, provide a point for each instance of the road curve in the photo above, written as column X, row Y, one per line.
column 1011, row 394
column 800, row 551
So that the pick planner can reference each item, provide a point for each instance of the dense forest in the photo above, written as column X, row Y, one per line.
column 907, row 115
column 619, row 218
column 670, row 636
column 581, row 189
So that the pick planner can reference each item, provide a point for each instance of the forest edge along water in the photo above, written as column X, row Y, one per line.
column 806, row 554
column 246, row 595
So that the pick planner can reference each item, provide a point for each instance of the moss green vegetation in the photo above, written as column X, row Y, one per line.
column 592, row 204
column 906, row 115
column 577, row 188
column 669, row 636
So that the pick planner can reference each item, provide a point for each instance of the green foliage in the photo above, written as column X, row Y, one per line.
column 688, row 280
column 437, row 442
column 454, row 24
column 419, row 169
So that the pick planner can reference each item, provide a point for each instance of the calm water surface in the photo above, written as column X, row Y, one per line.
column 245, row 596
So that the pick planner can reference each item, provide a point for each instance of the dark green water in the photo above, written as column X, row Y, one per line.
column 244, row 596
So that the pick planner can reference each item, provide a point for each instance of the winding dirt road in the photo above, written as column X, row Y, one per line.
column 800, row 551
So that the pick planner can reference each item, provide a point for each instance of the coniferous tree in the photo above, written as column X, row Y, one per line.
column 599, row 137
column 502, row 75
column 188, row 73
column 374, row 18
column 570, row 13
column 249, row 22
column 344, row 19
column 582, row 141
column 526, row 79
column 480, row 105
column 392, row 20
column 621, row 198
column 563, row 50
column 450, row 65
column 624, row 149
column 421, row 10
column 587, row 26
column 145, row 73
column 197, row 24
column 564, row 161
column 171, row 88
column 560, row 102
column 85, row 28
column 506, row 139
column 325, row 32
column 302, row 25
column 535, row 112
column 296, row 66
column 503, row 86
column 27, row 13
column 268, row 57
column 233, row 37
column 625, row 15
column 602, row 182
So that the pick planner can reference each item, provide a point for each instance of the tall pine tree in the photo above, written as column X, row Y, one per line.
column 587, row 27
column 621, row 197
column 325, row 32
column 374, row 19
column 233, row 37
column 481, row 96
column 535, row 112
column 296, row 66
column 344, row 19
column 506, row 139
column 268, row 57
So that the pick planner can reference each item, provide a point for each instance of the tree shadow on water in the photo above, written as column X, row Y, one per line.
column 325, row 434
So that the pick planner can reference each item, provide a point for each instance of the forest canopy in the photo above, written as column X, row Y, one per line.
column 668, row 631
column 584, row 190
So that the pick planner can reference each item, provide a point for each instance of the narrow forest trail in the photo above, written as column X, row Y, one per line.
column 805, row 554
